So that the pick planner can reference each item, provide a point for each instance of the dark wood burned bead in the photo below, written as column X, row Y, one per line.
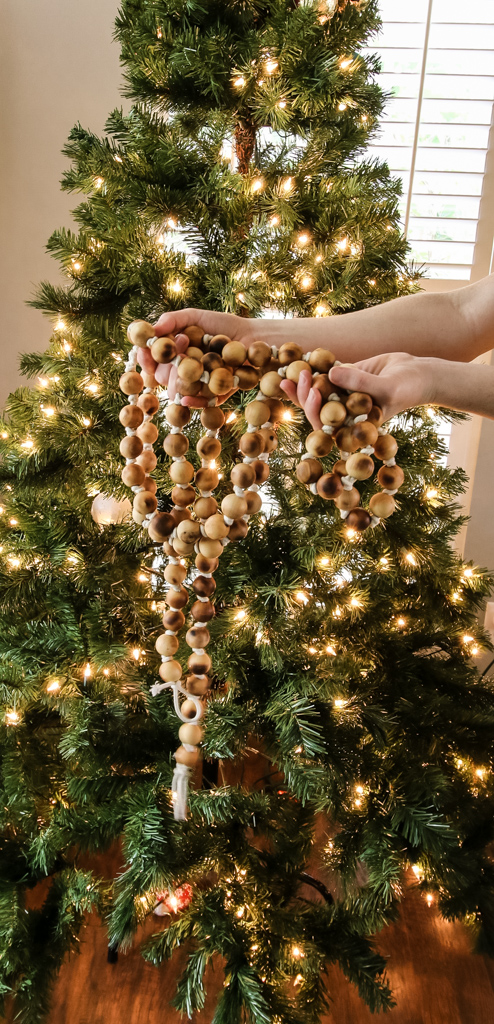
column 150, row 484
column 177, row 598
column 386, row 447
column 177, row 415
column 133, row 475
column 174, row 620
column 131, row 416
column 261, row 470
column 382, row 505
column 161, row 526
column 181, row 472
column 131, row 383
column 347, row 500
column 176, row 445
column 189, row 709
column 248, row 377
column 329, row 486
column 169, row 550
column 204, row 586
column 254, row 502
column 375, row 415
column 238, row 530
column 199, row 664
column 340, row 467
column 259, row 353
column 179, row 514
column 148, row 403
column 269, row 436
column 163, row 350
column 321, row 359
column 276, row 409
column 205, row 507
column 358, row 519
column 194, row 333
column 360, row 466
column 189, row 531
column 252, row 445
column 198, row 685
column 212, row 361
column 167, row 645
column 202, row 611
column 391, row 477
column 145, row 502
column 358, row 403
column 194, row 352
column 175, row 573
column 187, row 757
column 206, row 479
column 308, row 471
column 221, row 381
column 345, row 440
column 190, row 390
column 183, row 496
column 197, row 637
column 205, row 564
column 289, row 352
column 365, row 433
column 318, row 443
column 215, row 527
column 243, row 475
column 333, row 414
column 212, row 418
column 323, row 384
column 208, row 447
column 130, row 446
column 270, row 384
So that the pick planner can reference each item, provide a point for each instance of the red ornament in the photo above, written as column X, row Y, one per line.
column 174, row 902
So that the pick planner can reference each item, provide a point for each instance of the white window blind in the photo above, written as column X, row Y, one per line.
column 438, row 63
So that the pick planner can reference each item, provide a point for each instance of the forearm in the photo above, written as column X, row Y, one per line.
column 467, row 388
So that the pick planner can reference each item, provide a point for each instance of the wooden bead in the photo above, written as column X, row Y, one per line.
column 169, row 550
column 138, row 333
column 238, row 530
column 187, row 757
column 365, row 433
column 163, row 350
column 148, row 433
column 212, row 418
column 204, row 586
column 194, row 333
column 170, row 671
column 175, row 573
column 133, row 475
column 360, row 466
column 382, row 505
column 321, row 359
column 386, row 447
column 234, row 353
column 254, row 502
column 308, row 471
column 205, row 507
column 177, row 415
column 347, row 500
column 215, row 527
column 191, row 389
column 148, row 403
column 167, row 645
column 206, row 479
column 199, row 664
column 248, row 377
column 329, row 486
column 221, row 381
column 131, row 446
column 256, row 413
column 358, row 403
column 259, row 353
column 183, row 496
column 190, row 734
column 210, row 548
column 176, row 445
column 198, row 685
column 209, row 447
column 251, row 445
column 269, row 436
column 202, row 611
column 333, row 414
column 269, row 384
column 323, row 384
column 136, row 516
column 177, row 598
column 145, row 502
column 391, row 477
column 242, row 475
column 218, row 342
column 173, row 620
column 340, row 467
column 181, row 548
column 189, row 531
column 261, row 470
column 359, row 519
column 190, row 370
column 161, row 526
column 179, row 514
column 197, row 636
column 131, row 383
column 205, row 564
column 148, row 461
column 273, row 365
column 149, row 380
column 276, row 409
column 233, row 506
column 345, row 440
column 131, row 416
column 189, row 709
column 375, row 415
column 319, row 443
column 181, row 472
column 150, row 484
column 289, row 352
column 294, row 370
column 212, row 361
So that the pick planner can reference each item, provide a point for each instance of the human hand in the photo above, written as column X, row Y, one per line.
column 395, row 380
column 305, row 396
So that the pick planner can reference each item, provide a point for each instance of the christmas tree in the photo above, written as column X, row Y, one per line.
column 347, row 730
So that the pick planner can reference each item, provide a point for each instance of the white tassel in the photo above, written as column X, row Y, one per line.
column 180, row 789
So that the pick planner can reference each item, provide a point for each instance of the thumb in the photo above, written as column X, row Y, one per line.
column 353, row 379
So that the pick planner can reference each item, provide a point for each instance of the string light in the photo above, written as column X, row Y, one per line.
column 118, row 159
column 480, row 772
column 274, row 221
column 431, row 492
column 337, row 613
column 240, row 912
column 171, row 223
column 48, row 410
column 330, row 649
column 355, row 603
column 92, row 388
column 53, row 687
column 342, row 106
column 14, row 561
column 351, row 534
column 239, row 82
column 410, row 558
column 301, row 597
column 231, row 417
column 321, row 309
column 342, row 244
column 306, row 282
column 28, row 444
column 429, row 899
column 299, row 749
column 76, row 265
column 257, row 184
column 401, row 622
column 67, row 347
column 136, row 653
column 287, row 416
column 60, row 326
column 4, row 435
column 312, row 650
column 467, row 639
column 13, row 521
column 319, row 258
column 287, row 184
column 98, row 182
column 298, row 980
column 340, row 702
column 359, row 790
column 345, row 63
column 86, row 421
column 297, row 953
column 106, row 671
column 271, row 66
column 241, row 297
column 384, row 562
column 241, row 615
column 142, row 577
column 417, row 870
column 12, row 717
column 303, row 239
column 372, row 281
column 177, row 286
column 324, row 560
column 468, row 573
column 281, row 103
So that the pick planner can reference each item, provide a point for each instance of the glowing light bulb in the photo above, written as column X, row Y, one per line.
column 467, row 639
column 53, row 687
column 474, row 651
column 241, row 297
column 76, row 265
column 330, row 649
column 176, row 286
column 306, row 282
column 92, row 388
column 60, row 326
column 241, row 615
column 239, row 82
column 136, row 653
column 28, row 444
column 342, row 106
column 351, row 534
column 106, row 671
column 372, row 281
column 48, row 410
column 231, row 417
column 257, row 184
column 67, row 347
column 355, row 603
column 240, row 912
column 319, row 258
column 431, row 492
column 287, row 416
column 342, row 244
column 142, row 577
column 410, row 558
column 345, row 63
column 13, row 521
column 281, row 103
column 312, row 650
column 384, row 562
column 401, row 622
column 429, row 899
column 274, row 221
column 431, row 412
column 86, row 422
column 98, row 182
column 359, row 790
column 271, row 66
column 340, row 702
column 298, row 980
column 171, row 223
column 4, row 435
column 480, row 772
column 321, row 309
column 459, row 762
column 417, row 870
column 12, row 717
column 118, row 159
column 87, row 671
column 357, row 803
column 14, row 561
column 299, row 749
column 287, row 184
column 297, row 953
column 468, row 573
column 301, row 597
column 303, row 239
column 337, row 613
column 364, row 118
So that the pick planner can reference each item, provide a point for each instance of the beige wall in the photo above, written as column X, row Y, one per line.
column 58, row 65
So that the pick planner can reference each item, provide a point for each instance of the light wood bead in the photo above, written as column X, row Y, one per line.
column 345, row 440
column 205, row 507
column 133, row 475
column 321, row 359
column 340, row 467
column 169, row 550
column 234, row 353
column 176, row 445
column 131, row 446
column 209, row 447
column 206, row 479
column 161, row 526
column 294, row 370
column 376, row 415
column 238, row 530
column 248, row 377
column 179, row 514
column 233, row 506
column 197, row 685
column 276, row 409
column 182, row 549
column 212, row 361
column 189, row 531
column 199, row 664
column 150, row 484
column 347, row 500
column 173, row 620
column 359, row 519
column 149, row 380
column 289, row 352
column 194, row 352
column 358, row 403
column 187, row 757
column 323, row 384
column 242, row 475
column 192, row 734
column 329, row 486
column 218, row 342
column 145, row 502
column 177, row 415
column 181, row 472
column 221, row 381
column 175, row 574
column 308, row 471
column 215, row 527
column 333, row 414
column 197, row 636
column 192, row 389
column 131, row 383
column 251, row 445
column 183, row 496
column 163, row 350
column 391, row 477
column 148, row 403
column 194, row 333
column 131, row 416
column 212, row 418
column 261, row 470
column 170, row 671
column 148, row 433
column 365, row 433
column 205, row 564
column 189, row 709
column 259, row 353
column 318, row 443
column 269, row 436
column 269, row 384
column 382, row 505
column 202, row 611
column 167, row 645
column 256, row 413
column 386, row 447
column 210, row 548
column 136, row 516
column 190, row 370
column 360, row 466
column 177, row 598
column 254, row 502
column 138, row 333
column 148, row 461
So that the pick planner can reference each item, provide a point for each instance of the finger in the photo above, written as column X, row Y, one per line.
column 176, row 320
column 352, row 378
column 162, row 373
column 182, row 343
column 224, row 398
column 312, row 407
column 303, row 387
column 195, row 402
column 145, row 360
column 290, row 390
